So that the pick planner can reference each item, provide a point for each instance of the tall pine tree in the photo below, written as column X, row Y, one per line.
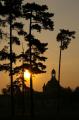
column 10, row 10
column 64, row 37
column 39, row 18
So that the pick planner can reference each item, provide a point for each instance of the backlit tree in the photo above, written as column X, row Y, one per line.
column 10, row 10
column 64, row 37
column 39, row 18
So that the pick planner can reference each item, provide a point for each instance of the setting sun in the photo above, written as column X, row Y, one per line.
column 26, row 74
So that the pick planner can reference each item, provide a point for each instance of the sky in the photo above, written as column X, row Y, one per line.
column 65, row 17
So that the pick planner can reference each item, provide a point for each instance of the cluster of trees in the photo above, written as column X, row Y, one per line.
column 32, row 58
column 39, row 19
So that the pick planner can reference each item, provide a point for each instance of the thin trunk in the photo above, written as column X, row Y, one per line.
column 59, row 71
column 31, row 84
column 23, row 94
column 11, row 74
column 23, row 100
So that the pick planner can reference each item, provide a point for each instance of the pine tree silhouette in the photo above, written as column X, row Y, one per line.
column 10, row 10
column 39, row 18
column 64, row 37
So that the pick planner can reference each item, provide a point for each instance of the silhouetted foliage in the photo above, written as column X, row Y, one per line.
column 39, row 19
column 11, row 10
column 39, row 15
column 17, row 85
column 64, row 37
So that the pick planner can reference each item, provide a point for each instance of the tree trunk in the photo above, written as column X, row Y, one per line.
column 11, row 73
column 31, row 84
column 23, row 90
column 59, row 72
column 59, row 69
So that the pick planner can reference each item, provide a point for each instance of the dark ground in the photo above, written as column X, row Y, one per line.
column 44, row 109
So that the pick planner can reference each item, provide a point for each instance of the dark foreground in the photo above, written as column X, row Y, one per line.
column 44, row 109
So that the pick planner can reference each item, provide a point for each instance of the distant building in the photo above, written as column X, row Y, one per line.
column 51, row 88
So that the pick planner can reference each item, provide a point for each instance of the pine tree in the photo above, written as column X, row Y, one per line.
column 32, row 58
column 39, row 18
column 64, row 37
column 10, row 10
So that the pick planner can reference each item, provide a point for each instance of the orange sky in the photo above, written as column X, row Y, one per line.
column 66, row 16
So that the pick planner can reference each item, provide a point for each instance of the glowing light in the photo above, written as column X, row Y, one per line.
column 26, row 74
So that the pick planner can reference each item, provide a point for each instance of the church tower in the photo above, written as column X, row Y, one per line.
column 53, row 73
column 51, row 88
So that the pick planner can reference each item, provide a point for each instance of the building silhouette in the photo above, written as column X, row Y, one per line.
column 51, row 88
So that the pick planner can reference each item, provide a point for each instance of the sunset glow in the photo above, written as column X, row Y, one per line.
column 70, row 56
column 26, row 75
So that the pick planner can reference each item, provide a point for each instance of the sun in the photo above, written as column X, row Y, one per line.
column 26, row 74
